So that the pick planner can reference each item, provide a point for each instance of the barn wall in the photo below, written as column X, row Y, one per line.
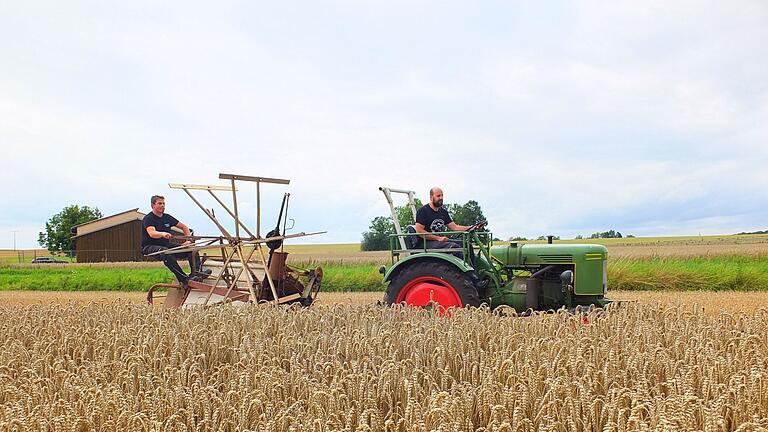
column 118, row 243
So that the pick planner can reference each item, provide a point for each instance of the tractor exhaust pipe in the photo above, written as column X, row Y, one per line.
column 549, row 239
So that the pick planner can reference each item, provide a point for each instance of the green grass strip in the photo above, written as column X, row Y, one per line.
column 64, row 278
column 737, row 273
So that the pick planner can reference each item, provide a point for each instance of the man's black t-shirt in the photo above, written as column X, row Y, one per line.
column 163, row 223
column 433, row 221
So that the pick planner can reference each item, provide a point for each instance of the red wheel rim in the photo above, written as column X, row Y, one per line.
column 425, row 290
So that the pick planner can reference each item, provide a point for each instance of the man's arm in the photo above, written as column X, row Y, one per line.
column 453, row 226
column 157, row 234
column 427, row 236
column 183, row 228
column 186, row 231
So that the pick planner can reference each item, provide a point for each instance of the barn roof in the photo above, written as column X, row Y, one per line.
column 107, row 222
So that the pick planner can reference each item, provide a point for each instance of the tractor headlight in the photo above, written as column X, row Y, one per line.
column 566, row 277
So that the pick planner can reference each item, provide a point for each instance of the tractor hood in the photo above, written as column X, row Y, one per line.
column 561, row 253
column 588, row 261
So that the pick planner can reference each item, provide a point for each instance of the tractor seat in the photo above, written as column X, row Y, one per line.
column 412, row 241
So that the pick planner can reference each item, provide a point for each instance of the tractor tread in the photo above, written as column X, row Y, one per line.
column 461, row 282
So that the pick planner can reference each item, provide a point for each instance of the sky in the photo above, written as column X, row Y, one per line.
column 564, row 118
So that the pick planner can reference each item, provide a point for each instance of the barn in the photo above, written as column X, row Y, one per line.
column 112, row 238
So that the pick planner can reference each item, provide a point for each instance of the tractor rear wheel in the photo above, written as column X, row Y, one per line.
column 423, row 283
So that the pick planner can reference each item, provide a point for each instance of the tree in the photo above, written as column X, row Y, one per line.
column 405, row 215
column 606, row 234
column 377, row 236
column 467, row 214
column 58, row 230
column 579, row 237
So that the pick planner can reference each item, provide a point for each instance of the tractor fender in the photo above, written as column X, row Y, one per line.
column 426, row 256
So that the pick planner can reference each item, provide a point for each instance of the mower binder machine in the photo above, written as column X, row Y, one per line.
column 529, row 276
column 240, row 270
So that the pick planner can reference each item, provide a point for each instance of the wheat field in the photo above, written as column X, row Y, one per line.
column 116, row 366
column 708, row 302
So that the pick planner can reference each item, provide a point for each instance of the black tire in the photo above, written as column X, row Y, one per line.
column 448, row 272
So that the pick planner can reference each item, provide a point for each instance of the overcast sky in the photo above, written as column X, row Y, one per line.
column 648, row 117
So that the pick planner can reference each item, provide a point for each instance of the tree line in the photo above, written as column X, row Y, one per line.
column 597, row 235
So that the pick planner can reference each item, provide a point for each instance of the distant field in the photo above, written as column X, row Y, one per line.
column 641, row 247
column 634, row 241
column 647, row 250
column 323, row 248
column 27, row 255
column 670, row 241
column 10, row 253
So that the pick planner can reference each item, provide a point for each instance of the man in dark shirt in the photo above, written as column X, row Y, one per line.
column 433, row 219
column 156, row 237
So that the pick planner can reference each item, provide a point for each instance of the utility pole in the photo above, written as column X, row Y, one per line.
column 14, row 244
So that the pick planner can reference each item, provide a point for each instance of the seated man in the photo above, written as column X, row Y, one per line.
column 434, row 218
column 156, row 236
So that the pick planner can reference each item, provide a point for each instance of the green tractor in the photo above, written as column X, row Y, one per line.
column 531, row 276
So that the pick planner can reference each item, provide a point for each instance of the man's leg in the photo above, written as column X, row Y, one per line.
column 169, row 261
column 458, row 244
column 455, row 244
column 195, row 269
column 194, row 262
column 192, row 258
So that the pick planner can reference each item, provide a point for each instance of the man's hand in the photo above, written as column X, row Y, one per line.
column 186, row 243
column 429, row 236
column 166, row 235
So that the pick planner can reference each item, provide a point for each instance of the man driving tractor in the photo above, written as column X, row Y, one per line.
column 432, row 219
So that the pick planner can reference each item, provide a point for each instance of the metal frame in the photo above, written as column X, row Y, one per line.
column 232, row 246
column 411, row 203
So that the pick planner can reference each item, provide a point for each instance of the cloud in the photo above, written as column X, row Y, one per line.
column 644, row 117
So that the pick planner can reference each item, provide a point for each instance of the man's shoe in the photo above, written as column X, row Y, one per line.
column 200, row 275
column 184, row 284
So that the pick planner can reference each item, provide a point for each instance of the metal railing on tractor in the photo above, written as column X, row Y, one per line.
column 468, row 239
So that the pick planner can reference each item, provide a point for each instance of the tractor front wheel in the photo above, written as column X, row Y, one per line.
column 425, row 283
